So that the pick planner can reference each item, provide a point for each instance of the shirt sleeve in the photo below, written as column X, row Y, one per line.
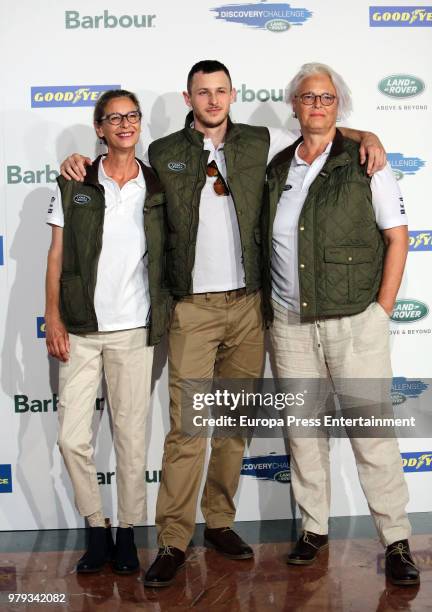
column 55, row 214
column 280, row 140
column 387, row 199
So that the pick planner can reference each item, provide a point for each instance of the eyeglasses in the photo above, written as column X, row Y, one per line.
column 220, row 187
column 310, row 98
column 117, row 118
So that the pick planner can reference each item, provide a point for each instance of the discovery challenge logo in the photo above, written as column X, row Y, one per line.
column 5, row 478
column 68, row 95
column 271, row 16
column 402, row 165
column 400, row 16
column 420, row 240
column 417, row 462
column 404, row 389
column 268, row 467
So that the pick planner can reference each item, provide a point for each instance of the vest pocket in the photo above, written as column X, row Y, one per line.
column 349, row 273
column 72, row 299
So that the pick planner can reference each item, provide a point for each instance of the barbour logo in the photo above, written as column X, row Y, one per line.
column 81, row 199
column 401, row 86
column 177, row 166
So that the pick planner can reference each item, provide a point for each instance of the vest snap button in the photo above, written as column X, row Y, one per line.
column 350, row 258
column 304, row 304
column 302, row 266
column 301, row 228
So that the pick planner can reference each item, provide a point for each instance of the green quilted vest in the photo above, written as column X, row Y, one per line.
column 180, row 163
column 340, row 248
column 84, row 212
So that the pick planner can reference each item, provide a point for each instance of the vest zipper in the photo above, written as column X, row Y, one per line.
column 96, row 262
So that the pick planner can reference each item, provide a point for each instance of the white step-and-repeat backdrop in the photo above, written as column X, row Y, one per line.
column 57, row 58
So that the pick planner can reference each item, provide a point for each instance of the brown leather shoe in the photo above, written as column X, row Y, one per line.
column 400, row 567
column 164, row 568
column 225, row 541
column 308, row 546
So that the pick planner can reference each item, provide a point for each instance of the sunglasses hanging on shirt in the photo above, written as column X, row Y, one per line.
column 220, row 187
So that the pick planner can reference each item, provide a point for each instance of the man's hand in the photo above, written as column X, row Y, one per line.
column 372, row 150
column 73, row 167
column 57, row 339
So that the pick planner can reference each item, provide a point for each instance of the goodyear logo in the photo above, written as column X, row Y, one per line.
column 1, row 252
column 400, row 16
column 274, row 17
column 420, row 240
column 409, row 311
column 40, row 327
column 68, row 95
column 404, row 389
column 6, row 478
column 404, row 165
column 417, row 462
column 401, row 86
column 269, row 467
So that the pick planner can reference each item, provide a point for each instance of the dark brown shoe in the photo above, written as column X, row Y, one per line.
column 225, row 541
column 307, row 548
column 400, row 567
column 164, row 568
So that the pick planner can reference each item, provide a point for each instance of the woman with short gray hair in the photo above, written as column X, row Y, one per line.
column 336, row 249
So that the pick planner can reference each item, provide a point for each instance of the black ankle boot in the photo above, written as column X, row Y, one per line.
column 125, row 557
column 100, row 549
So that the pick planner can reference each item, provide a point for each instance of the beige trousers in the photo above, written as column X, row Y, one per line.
column 212, row 334
column 127, row 362
column 342, row 348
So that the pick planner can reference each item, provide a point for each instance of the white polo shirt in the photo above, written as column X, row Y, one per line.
column 122, row 299
column 387, row 202
column 218, row 254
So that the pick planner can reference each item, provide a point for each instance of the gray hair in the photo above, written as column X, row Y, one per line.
column 342, row 90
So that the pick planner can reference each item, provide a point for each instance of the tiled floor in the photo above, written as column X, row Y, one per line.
column 349, row 577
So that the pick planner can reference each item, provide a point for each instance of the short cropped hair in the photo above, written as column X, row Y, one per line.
column 342, row 90
column 207, row 66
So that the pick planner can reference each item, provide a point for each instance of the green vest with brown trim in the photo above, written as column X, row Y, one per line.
column 84, row 213
column 340, row 248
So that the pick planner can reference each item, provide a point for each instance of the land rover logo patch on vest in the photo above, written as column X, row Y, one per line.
column 177, row 166
column 81, row 198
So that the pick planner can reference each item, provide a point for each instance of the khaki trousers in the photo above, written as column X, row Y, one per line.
column 342, row 348
column 212, row 334
column 127, row 363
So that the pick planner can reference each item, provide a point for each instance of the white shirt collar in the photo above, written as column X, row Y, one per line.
column 301, row 162
column 139, row 179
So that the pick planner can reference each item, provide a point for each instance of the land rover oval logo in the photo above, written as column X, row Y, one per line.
column 401, row 86
column 409, row 311
column 398, row 174
column 282, row 476
column 397, row 398
column 81, row 198
column 277, row 25
column 177, row 166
